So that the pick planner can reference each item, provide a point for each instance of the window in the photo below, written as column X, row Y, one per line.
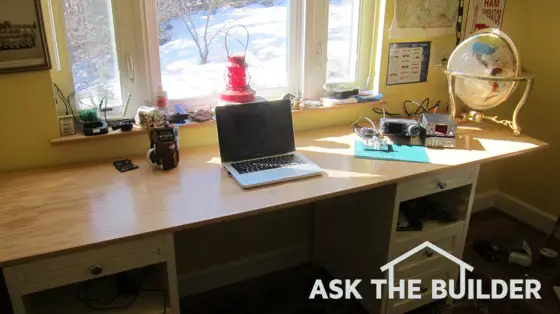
column 92, row 51
column 122, row 47
column 342, row 45
column 192, row 50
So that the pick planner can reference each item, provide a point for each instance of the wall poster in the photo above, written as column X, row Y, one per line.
column 408, row 63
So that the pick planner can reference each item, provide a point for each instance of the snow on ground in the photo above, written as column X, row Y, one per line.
column 183, row 76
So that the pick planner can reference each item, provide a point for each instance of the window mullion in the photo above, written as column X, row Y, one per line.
column 316, row 21
column 366, row 43
column 295, row 45
column 122, row 17
column 63, row 77
column 132, row 46
column 356, row 25
column 151, row 44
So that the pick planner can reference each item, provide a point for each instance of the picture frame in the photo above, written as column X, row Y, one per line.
column 23, row 44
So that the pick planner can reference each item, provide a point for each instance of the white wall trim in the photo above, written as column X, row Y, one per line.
column 484, row 201
column 525, row 212
column 518, row 209
column 258, row 265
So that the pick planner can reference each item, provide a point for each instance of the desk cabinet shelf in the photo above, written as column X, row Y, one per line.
column 343, row 242
column 434, row 212
column 66, row 299
column 50, row 285
column 451, row 192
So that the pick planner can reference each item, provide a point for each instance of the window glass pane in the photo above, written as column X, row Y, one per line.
column 91, row 43
column 342, row 42
column 192, row 51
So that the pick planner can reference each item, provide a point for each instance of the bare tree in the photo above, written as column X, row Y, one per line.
column 90, row 40
column 185, row 10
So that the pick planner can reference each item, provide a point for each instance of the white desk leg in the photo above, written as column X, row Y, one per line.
column 15, row 292
column 172, row 284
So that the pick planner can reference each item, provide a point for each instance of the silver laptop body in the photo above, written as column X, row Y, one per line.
column 257, row 144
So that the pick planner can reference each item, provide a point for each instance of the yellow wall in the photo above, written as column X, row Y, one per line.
column 534, row 178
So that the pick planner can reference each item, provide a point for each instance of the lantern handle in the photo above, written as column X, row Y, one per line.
column 227, row 33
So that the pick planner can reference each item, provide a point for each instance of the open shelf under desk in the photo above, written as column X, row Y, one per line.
column 430, row 228
column 65, row 299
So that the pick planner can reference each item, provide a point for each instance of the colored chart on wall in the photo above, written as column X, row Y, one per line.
column 408, row 63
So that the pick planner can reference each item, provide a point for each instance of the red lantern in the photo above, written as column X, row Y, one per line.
column 237, row 77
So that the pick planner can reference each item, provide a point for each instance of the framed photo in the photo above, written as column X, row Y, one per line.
column 23, row 46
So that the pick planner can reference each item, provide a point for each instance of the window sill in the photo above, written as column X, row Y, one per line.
column 78, row 138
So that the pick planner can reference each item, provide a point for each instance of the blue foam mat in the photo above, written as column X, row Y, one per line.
column 398, row 153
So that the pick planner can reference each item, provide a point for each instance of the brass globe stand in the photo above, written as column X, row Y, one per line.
column 478, row 116
column 496, row 53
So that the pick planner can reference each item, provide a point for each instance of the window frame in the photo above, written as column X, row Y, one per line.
column 127, row 49
column 356, row 42
column 139, row 60
column 315, row 56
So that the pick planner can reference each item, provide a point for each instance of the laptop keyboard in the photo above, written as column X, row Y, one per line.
column 266, row 163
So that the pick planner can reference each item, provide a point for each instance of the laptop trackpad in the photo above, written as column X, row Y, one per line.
column 272, row 175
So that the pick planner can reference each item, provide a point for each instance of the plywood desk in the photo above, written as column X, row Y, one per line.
column 60, row 211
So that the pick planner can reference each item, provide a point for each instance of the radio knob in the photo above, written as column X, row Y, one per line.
column 414, row 130
column 96, row 270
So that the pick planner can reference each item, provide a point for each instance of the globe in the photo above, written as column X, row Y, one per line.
column 484, row 71
column 487, row 53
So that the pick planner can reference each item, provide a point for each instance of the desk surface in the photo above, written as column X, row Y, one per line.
column 49, row 211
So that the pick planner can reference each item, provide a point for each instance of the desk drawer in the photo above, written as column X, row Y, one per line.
column 402, row 306
column 446, row 237
column 76, row 267
column 434, row 183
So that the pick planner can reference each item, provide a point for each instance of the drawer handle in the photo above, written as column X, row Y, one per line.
column 429, row 253
column 96, row 270
column 423, row 290
column 442, row 185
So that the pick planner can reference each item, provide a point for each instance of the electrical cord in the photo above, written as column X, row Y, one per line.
column 105, row 111
column 381, row 112
column 83, row 86
column 365, row 133
column 101, row 305
column 423, row 107
column 66, row 100
column 67, row 105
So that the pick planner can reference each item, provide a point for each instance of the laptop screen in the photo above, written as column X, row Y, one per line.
column 255, row 130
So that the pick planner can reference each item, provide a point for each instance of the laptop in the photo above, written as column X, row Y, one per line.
column 257, row 144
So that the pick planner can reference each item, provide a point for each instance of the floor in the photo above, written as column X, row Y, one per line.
column 287, row 291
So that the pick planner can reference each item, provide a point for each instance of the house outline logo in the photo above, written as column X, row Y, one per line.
column 391, row 265
column 412, row 288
